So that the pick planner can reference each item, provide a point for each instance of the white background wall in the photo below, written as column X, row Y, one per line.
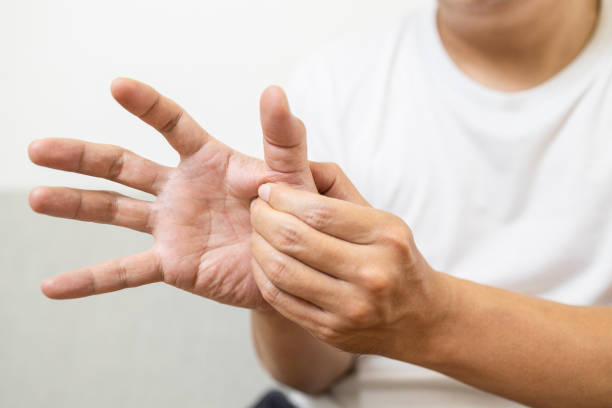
column 214, row 57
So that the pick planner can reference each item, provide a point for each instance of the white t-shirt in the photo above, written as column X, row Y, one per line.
column 512, row 190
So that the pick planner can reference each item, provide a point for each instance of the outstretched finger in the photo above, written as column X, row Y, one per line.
column 99, row 160
column 103, row 207
column 121, row 273
column 182, row 132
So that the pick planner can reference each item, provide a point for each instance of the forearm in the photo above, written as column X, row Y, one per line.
column 533, row 351
column 369, row 290
column 294, row 357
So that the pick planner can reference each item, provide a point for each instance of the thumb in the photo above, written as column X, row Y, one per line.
column 332, row 182
column 284, row 135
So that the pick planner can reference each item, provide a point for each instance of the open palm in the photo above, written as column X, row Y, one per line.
column 200, row 218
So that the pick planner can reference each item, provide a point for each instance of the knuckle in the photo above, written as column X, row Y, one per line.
column 375, row 281
column 78, row 207
column 145, row 115
column 359, row 313
column 170, row 124
column 271, row 294
column 275, row 269
column 287, row 237
column 398, row 237
column 122, row 275
column 116, row 167
column 111, row 207
column 328, row 334
column 318, row 217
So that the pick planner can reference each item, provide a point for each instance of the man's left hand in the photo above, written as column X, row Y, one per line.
column 350, row 274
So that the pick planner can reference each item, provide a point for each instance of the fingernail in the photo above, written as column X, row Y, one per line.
column 252, row 203
column 264, row 192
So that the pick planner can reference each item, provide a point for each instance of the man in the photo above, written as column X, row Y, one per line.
column 482, row 124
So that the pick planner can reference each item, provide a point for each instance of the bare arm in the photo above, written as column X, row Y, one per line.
column 294, row 357
column 530, row 350
column 354, row 277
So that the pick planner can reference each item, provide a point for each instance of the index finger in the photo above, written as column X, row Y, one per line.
column 183, row 133
column 344, row 220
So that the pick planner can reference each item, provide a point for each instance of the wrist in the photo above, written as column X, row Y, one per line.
column 430, row 343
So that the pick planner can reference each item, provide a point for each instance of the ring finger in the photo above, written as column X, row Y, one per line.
column 102, row 207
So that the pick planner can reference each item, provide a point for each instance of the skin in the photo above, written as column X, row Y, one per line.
column 513, row 45
column 350, row 274
column 353, row 277
column 200, row 217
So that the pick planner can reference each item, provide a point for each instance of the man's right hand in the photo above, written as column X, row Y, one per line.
column 200, row 218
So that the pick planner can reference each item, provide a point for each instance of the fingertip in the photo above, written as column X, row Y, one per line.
column 35, row 150
column 274, row 102
column 49, row 289
column 264, row 192
column 121, row 87
column 69, row 285
column 118, row 82
column 37, row 198
column 275, row 91
column 135, row 96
